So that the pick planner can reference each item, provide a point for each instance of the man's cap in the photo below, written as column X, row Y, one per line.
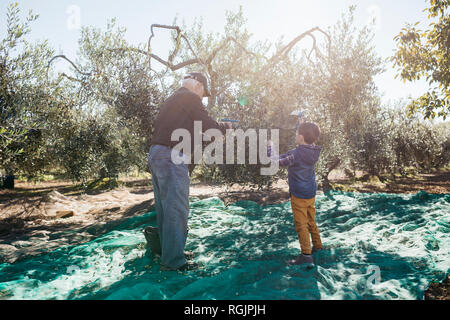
column 200, row 78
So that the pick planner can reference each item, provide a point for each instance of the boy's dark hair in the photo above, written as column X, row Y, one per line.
column 310, row 132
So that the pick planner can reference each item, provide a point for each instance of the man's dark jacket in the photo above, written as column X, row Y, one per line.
column 180, row 110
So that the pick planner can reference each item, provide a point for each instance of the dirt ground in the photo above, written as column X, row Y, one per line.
column 35, row 210
column 439, row 291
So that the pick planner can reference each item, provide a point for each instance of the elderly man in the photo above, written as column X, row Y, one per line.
column 171, row 180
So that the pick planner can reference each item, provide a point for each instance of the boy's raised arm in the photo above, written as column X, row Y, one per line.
column 284, row 160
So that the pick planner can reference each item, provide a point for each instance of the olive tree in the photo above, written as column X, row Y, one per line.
column 425, row 54
column 26, row 101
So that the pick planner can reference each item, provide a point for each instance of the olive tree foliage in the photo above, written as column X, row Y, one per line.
column 71, row 123
column 261, row 84
column 359, row 133
column 246, row 82
column 92, row 120
column 28, row 106
column 425, row 54
column 257, row 83
column 118, row 90
column 415, row 143
column 344, row 99
column 118, row 96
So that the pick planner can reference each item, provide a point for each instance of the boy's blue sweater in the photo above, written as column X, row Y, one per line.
column 302, row 174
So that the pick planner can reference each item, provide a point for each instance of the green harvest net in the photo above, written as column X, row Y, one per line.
column 379, row 246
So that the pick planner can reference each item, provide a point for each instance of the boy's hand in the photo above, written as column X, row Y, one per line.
column 271, row 153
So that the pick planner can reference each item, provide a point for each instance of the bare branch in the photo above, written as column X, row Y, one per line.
column 224, row 43
column 173, row 54
column 206, row 64
column 314, row 47
column 65, row 58
column 63, row 74
column 326, row 35
column 160, row 60
column 71, row 78
column 286, row 49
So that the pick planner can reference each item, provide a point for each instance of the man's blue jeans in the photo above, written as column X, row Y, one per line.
column 171, row 190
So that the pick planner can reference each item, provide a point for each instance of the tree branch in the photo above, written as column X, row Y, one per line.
column 224, row 43
column 157, row 58
column 286, row 49
column 206, row 64
column 173, row 54
column 65, row 58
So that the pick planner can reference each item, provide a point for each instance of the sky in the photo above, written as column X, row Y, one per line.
column 60, row 21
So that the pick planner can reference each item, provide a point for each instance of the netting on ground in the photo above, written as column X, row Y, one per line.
column 378, row 246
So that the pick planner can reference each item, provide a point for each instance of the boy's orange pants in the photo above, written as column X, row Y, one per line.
column 304, row 211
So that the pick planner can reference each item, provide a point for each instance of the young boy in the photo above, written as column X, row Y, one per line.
column 302, row 188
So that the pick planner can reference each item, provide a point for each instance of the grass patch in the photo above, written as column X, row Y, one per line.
column 342, row 187
column 102, row 184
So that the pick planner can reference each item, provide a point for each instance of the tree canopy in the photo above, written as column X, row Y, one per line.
column 96, row 119
column 426, row 54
